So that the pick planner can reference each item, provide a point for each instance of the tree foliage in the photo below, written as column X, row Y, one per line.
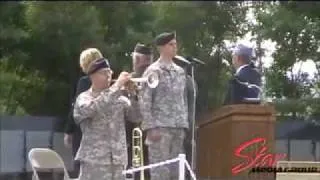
column 295, row 30
column 41, row 43
column 202, row 28
column 50, row 37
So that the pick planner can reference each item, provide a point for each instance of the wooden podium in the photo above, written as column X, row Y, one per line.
column 219, row 135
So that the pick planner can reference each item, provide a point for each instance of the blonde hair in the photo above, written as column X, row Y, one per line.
column 87, row 57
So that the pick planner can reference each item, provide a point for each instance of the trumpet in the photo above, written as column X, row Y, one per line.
column 152, row 80
column 137, row 150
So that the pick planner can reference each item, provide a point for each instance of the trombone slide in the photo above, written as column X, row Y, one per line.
column 137, row 150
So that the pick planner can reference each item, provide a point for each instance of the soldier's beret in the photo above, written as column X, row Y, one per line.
column 164, row 38
column 143, row 49
column 97, row 65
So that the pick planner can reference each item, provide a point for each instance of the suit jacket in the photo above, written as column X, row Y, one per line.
column 237, row 91
column 84, row 84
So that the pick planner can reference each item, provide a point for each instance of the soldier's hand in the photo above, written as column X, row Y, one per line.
column 67, row 140
column 123, row 78
column 131, row 87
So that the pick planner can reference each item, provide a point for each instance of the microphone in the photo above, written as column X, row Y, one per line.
column 180, row 58
column 196, row 60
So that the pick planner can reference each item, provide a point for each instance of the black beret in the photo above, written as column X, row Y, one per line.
column 143, row 49
column 164, row 38
column 97, row 65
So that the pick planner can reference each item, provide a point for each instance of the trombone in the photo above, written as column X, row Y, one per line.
column 137, row 150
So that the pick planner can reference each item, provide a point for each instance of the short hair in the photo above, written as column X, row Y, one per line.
column 87, row 57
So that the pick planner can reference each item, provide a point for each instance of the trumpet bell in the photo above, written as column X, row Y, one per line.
column 153, row 80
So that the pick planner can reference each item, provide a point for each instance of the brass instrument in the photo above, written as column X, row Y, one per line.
column 152, row 80
column 137, row 150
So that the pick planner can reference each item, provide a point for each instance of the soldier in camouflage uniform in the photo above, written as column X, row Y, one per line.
column 141, row 59
column 165, row 110
column 101, row 112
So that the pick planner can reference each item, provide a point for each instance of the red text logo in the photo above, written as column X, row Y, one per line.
column 255, row 159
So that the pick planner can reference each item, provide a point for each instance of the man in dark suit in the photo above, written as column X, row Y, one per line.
column 72, row 136
column 245, row 73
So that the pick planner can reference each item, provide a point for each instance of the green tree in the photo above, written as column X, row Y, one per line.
column 297, row 37
column 59, row 31
column 20, row 94
column 202, row 28
column 12, row 31
column 125, row 24
column 19, row 90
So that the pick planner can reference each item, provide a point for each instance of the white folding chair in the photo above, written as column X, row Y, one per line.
column 44, row 158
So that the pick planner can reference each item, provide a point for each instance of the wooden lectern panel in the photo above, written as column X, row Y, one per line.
column 225, row 130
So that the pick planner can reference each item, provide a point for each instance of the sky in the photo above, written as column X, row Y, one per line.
column 308, row 66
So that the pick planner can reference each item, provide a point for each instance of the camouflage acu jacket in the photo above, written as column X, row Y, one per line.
column 166, row 105
column 102, row 121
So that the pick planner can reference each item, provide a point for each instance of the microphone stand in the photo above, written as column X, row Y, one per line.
column 191, row 62
column 194, row 128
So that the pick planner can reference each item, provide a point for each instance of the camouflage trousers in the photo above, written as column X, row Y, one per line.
column 89, row 171
column 168, row 147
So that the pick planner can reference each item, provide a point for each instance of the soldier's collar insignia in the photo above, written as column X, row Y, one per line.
column 166, row 65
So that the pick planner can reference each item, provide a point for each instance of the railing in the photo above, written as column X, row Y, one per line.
column 182, row 164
